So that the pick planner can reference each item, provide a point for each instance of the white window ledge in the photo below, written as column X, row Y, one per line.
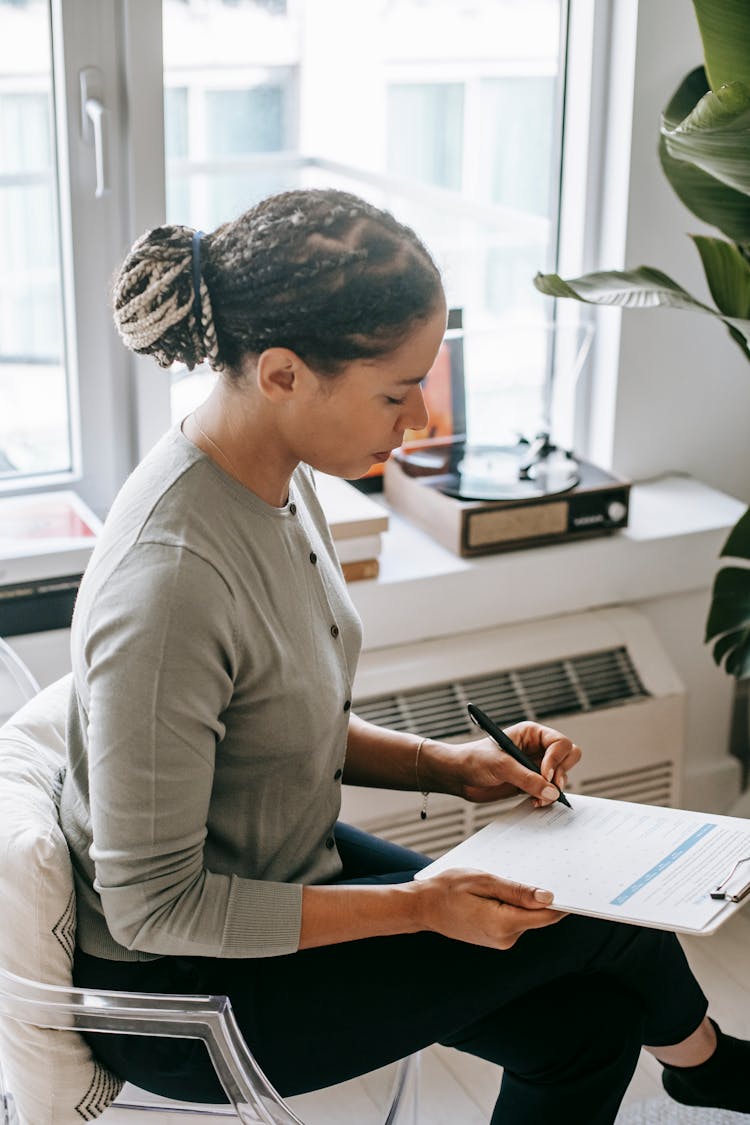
column 677, row 528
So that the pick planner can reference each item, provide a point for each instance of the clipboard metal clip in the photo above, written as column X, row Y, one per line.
column 740, row 893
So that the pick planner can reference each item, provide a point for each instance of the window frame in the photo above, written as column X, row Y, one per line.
column 119, row 404
column 84, row 34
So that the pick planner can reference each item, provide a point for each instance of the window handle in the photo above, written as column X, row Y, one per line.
column 94, row 124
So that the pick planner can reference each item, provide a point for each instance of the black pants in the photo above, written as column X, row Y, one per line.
column 565, row 1011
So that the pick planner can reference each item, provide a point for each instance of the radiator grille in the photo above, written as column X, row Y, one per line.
column 588, row 682
column 440, row 832
column 647, row 785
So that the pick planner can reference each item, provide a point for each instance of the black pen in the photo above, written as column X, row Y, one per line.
column 509, row 746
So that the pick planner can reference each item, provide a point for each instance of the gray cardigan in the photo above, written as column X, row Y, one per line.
column 214, row 648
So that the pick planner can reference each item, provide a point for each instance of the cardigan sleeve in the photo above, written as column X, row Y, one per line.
column 161, row 660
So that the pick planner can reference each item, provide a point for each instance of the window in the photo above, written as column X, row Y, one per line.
column 34, row 419
column 460, row 141
column 448, row 113
column 426, row 132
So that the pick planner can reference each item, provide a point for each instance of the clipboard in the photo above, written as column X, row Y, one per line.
column 646, row 865
column 724, row 893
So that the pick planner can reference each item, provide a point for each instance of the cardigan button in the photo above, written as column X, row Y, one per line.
column 347, row 705
column 330, row 842
column 313, row 557
column 293, row 509
column 334, row 630
column 337, row 775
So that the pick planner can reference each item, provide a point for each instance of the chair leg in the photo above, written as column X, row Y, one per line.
column 8, row 1115
column 8, row 1112
column 404, row 1107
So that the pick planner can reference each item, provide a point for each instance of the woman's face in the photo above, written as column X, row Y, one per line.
column 356, row 418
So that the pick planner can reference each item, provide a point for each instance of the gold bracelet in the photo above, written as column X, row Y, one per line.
column 425, row 793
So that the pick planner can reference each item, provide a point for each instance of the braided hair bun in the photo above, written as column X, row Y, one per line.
column 319, row 271
column 154, row 301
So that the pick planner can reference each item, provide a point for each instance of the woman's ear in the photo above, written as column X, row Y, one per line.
column 278, row 373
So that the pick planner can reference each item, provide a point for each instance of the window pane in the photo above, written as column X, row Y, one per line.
column 242, row 121
column 229, row 92
column 176, row 122
column 425, row 133
column 445, row 112
column 519, row 114
column 230, row 77
column 34, row 420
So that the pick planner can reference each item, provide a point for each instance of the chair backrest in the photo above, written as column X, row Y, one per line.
column 53, row 1076
column 17, row 684
column 48, row 1075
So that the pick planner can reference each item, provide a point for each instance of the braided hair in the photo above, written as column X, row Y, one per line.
column 318, row 271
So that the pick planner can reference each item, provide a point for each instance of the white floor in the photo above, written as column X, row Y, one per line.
column 456, row 1089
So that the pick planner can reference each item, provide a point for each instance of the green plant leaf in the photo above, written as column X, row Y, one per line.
column 730, row 604
column 727, row 273
column 725, row 30
column 723, row 646
column 703, row 194
column 737, row 545
column 715, row 135
column 729, row 613
column 693, row 87
column 641, row 288
column 736, row 648
column 738, row 660
column 708, row 198
column 729, row 619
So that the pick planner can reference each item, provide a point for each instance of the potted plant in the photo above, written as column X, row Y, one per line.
column 704, row 148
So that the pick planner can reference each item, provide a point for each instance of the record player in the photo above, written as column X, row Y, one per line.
column 477, row 500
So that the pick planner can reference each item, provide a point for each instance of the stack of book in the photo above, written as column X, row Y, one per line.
column 357, row 523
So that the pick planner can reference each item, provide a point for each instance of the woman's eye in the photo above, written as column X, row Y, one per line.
column 395, row 401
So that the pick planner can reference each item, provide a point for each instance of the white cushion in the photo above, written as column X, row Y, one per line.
column 52, row 1075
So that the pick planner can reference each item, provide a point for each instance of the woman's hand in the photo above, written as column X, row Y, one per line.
column 486, row 773
column 482, row 909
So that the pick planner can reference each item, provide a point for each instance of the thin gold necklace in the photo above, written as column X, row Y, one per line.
column 219, row 450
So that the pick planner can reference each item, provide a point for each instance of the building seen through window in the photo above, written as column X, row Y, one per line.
column 446, row 112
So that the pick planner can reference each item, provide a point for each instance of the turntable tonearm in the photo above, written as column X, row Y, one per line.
column 482, row 499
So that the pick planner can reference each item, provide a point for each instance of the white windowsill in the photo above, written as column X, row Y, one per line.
column 677, row 528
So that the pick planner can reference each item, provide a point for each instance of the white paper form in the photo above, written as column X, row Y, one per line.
column 614, row 859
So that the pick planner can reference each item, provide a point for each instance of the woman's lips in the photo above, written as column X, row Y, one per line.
column 383, row 456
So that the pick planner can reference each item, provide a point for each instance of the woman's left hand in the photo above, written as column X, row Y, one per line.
column 487, row 773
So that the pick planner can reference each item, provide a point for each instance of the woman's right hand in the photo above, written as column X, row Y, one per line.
column 482, row 909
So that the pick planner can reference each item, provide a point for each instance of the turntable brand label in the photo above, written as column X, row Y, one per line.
column 503, row 526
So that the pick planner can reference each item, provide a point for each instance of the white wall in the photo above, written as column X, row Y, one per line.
column 674, row 391
column 712, row 777
column 682, row 401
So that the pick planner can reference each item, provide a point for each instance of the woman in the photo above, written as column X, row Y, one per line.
column 210, row 728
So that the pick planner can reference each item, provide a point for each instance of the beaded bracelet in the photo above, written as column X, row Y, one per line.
column 425, row 793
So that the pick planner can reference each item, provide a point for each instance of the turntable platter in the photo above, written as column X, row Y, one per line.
column 492, row 472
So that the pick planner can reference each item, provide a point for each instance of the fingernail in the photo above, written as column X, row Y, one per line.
column 550, row 793
column 543, row 896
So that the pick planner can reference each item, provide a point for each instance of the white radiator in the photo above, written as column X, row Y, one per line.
column 602, row 677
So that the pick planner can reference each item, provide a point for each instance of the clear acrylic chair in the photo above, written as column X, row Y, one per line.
column 17, row 684
column 208, row 1018
column 31, row 761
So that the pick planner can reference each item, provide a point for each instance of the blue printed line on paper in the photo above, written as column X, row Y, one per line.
column 662, row 865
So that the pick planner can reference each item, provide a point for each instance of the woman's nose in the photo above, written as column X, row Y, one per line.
column 417, row 415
